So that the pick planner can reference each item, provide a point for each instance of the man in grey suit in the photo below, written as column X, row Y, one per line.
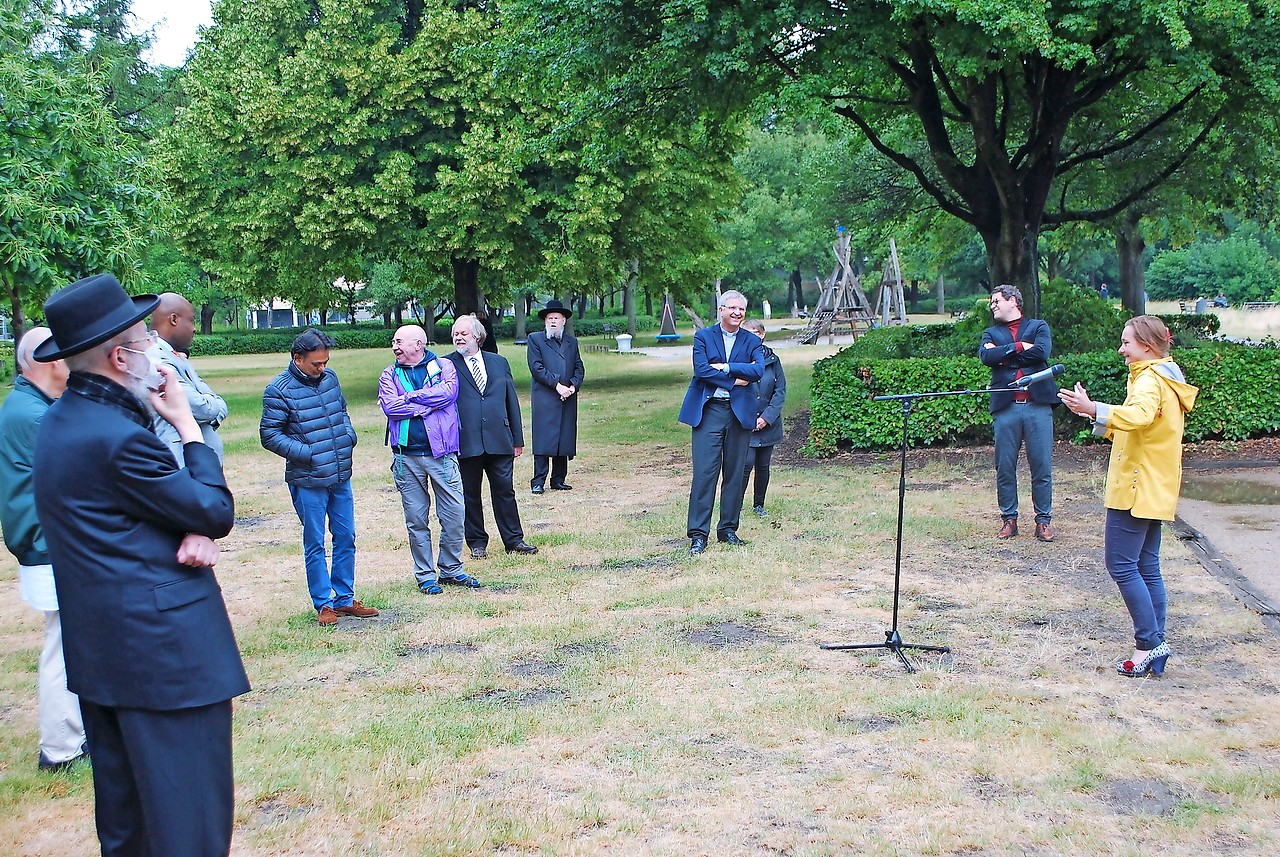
column 490, row 438
column 174, row 323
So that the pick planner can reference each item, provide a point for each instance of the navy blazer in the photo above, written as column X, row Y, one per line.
column 746, row 361
column 139, row 629
column 488, row 423
column 1005, row 360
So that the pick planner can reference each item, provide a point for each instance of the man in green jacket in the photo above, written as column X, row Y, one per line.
column 35, row 388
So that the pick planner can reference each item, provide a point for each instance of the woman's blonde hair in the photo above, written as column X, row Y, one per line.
column 1150, row 332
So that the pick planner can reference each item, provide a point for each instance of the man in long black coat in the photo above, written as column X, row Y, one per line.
column 555, row 367
column 147, row 639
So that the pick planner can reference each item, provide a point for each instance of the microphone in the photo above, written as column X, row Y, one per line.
column 1045, row 375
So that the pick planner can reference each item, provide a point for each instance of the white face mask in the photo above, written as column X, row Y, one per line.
column 152, row 379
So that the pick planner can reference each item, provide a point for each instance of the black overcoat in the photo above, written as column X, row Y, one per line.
column 139, row 629
column 554, row 422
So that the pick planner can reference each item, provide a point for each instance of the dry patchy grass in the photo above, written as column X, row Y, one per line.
column 614, row 696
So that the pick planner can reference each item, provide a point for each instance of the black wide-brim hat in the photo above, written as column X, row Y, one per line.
column 554, row 305
column 89, row 312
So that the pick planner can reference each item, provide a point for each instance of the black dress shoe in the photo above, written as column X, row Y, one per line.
column 523, row 548
column 479, row 553
column 561, row 487
column 697, row 545
column 729, row 537
column 537, row 489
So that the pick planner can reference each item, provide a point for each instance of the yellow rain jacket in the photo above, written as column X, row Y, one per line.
column 1145, row 474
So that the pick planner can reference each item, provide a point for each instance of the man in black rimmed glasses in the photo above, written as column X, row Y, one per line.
column 146, row 636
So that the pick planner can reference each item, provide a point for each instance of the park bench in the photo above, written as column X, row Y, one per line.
column 1251, row 306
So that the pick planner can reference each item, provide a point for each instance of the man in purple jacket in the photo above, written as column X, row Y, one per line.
column 419, row 395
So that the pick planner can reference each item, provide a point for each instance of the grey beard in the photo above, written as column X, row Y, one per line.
column 557, row 335
column 138, row 387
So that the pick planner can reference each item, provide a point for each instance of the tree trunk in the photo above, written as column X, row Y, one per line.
column 1011, row 260
column 17, row 319
column 648, row 304
column 522, row 317
column 942, row 295
column 466, row 286
column 1133, row 278
column 629, row 295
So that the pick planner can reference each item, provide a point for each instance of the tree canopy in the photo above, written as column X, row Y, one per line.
column 76, row 196
column 992, row 107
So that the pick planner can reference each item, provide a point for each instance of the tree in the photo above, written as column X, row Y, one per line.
column 998, row 99
column 75, row 195
column 320, row 134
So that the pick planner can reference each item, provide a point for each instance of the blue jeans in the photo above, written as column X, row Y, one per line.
column 1015, row 426
column 1132, row 548
column 313, row 505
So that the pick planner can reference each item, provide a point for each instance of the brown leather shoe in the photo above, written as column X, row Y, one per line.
column 355, row 608
column 1009, row 530
column 1044, row 532
column 327, row 616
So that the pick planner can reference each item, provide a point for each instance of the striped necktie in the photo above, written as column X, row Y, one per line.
column 476, row 373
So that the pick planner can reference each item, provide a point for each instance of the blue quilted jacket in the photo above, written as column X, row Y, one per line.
column 305, row 421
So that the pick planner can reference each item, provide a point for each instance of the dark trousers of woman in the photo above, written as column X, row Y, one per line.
column 1132, row 547
column 758, row 458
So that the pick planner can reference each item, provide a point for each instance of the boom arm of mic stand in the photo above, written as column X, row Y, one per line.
column 893, row 639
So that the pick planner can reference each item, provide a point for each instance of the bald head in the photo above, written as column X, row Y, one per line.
column 50, row 378
column 409, row 345
column 175, row 321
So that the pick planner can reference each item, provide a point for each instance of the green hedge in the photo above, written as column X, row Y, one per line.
column 1237, row 400
column 6, row 361
column 278, row 340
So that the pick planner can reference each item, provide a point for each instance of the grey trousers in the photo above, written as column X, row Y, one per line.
column 414, row 475
column 719, row 455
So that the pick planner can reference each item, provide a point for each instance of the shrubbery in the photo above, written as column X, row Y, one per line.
column 1237, row 397
column 1080, row 320
column 6, row 361
column 374, row 335
column 278, row 340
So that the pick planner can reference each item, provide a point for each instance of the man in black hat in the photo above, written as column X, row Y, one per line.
column 556, row 369
column 148, row 643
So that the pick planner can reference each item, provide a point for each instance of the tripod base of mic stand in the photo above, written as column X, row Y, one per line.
column 892, row 642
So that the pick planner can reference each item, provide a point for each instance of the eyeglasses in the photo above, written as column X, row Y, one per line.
column 152, row 338
column 736, row 310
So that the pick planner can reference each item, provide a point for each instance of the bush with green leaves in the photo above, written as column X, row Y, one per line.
column 279, row 340
column 1237, row 399
column 6, row 361
column 1079, row 319
column 1239, row 266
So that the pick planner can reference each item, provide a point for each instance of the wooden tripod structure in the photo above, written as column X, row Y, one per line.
column 841, row 300
column 890, row 304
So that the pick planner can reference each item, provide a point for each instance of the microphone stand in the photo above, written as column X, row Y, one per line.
column 893, row 639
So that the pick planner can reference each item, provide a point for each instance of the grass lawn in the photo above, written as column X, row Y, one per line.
column 614, row 696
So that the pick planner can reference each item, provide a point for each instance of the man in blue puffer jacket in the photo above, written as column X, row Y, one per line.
column 305, row 421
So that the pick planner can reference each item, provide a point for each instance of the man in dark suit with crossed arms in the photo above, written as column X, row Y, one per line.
column 490, row 439
column 147, row 640
column 722, row 411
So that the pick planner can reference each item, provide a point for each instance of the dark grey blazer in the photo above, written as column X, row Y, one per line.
column 488, row 424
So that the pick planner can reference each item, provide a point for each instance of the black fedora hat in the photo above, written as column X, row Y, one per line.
column 89, row 312
column 554, row 305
